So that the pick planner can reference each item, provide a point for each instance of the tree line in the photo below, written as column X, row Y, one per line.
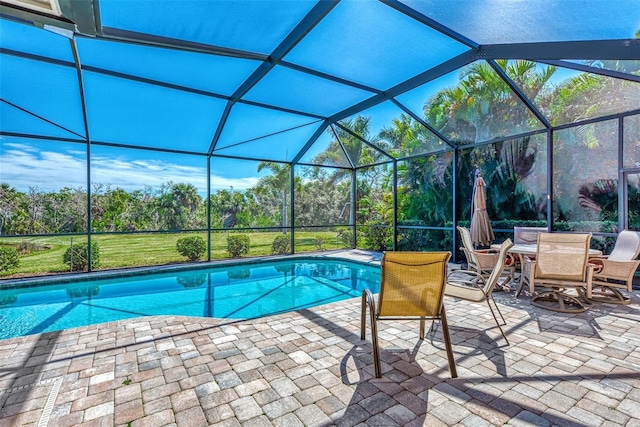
column 173, row 206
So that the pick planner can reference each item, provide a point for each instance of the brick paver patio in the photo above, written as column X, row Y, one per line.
column 309, row 368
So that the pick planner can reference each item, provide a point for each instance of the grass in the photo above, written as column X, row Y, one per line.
column 135, row 250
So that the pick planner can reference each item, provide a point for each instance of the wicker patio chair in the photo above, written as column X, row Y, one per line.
column 484, row 261
column 562, row 263
column 411, row 287
column 464, row 284
column 616, row 271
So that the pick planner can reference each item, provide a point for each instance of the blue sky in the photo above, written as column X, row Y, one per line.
column 50, row 166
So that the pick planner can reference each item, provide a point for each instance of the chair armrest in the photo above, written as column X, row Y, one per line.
column 619, row 270
column 598, row 264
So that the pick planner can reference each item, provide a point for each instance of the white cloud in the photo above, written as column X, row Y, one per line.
column 25, row 166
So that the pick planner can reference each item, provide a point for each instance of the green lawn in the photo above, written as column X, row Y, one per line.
column 134, row 250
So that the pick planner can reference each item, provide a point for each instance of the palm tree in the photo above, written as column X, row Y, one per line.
column 279, row 182
column 179, row 203
column 477, row 110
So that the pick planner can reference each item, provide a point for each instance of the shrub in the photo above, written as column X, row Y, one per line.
column 76, row 256
column 8, row 258
column 281, row 245
column 377, row 237
column 193, row 247
column 238, row 245
column 346, row 237
column 319, row 243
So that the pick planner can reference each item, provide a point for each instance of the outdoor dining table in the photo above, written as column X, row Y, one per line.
column 523, row 250
column 530, row 249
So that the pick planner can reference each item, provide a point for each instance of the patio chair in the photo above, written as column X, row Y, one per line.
column 525, row 236
column 465, row 284
column 411, row 287
column 484, row 261
column 616, row 271
column 561, row 264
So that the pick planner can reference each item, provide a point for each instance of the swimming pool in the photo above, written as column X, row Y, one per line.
column 231, row 292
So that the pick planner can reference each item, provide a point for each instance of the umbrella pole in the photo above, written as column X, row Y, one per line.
column 473, row 208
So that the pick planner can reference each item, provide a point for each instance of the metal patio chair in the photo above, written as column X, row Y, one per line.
column 465, row 285
column 411, row 287
column 483, row 261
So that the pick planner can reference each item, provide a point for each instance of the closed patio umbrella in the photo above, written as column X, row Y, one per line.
column 481, row 231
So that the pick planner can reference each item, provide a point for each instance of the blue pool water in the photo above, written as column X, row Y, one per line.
column 232, row 292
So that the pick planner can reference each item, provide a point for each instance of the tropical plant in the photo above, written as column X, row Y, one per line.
column 348, row 147
column 319, row 200
column 467, row 113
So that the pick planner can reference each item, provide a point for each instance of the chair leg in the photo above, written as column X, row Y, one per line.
column 496, row 319
column 609, row 295
column 556, row 300
column 522, row 283
column 367, row 300
column 374, row 344
column 363, row 315
column 422, row 328
column 504, row 322
column 447, row 344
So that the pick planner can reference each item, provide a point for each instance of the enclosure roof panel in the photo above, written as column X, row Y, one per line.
column 45, row 90
column 531, row 21
column 280, row 146
column 149, row 115
column 213, row 73
column 279, row 80
column 247, row 25
column 248, row 122
column 292, row 89
column 373, row 45
column 35, row 41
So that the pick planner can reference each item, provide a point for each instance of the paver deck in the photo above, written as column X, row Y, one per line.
column 310, row 368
